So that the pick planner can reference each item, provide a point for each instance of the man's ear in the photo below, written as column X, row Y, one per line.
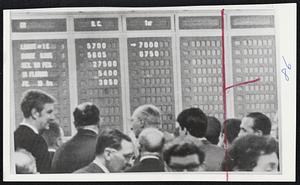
column 107, row 154
column 258, row 132
column 142, row 122
column 34, row 113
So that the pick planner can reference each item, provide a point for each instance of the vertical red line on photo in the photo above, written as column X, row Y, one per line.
column 224, row 91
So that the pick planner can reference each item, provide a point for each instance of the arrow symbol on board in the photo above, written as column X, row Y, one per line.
column 133, row 44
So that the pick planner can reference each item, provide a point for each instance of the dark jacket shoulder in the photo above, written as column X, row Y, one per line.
column 75, row 153
column 91, row 168
column 148, row 165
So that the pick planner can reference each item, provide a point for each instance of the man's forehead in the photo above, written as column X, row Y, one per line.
column 247, row 121
column 48, row 106
column 127, row 146
column 184, row 160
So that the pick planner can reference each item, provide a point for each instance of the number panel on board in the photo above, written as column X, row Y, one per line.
column 254, row 57
column 201, row 74
column 151, row 76
column 43, row 64
column 99, row 79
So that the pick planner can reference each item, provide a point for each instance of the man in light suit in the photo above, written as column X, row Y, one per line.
column 151, row 142
column 80, row 150
column 38, row 110
column 114, row 152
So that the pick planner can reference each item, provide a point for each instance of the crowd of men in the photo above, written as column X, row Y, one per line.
column 199, row 142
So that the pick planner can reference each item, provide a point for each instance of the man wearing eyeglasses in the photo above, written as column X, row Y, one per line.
column 114, row 153
column 183, row 155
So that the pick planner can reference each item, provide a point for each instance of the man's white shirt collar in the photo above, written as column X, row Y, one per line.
column 31, row 127
column 148, row 157
column 101, row 166
column 91, row 129
column 51, row 150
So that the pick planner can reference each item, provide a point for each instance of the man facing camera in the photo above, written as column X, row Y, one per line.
column 151, row 142
column 182, row 155
column 38, row 110
column 80, row 150
column 114, row 152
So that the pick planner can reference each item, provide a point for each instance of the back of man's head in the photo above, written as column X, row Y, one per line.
column 194, row 121
column 24, row 162
column 110, row 138
column 86, row 114
column 151, row 140
column 34, row 99
column 261, row 122
column 53, row 135
column 149, row 114
column 232, row 127
column 245, row 150
column 213, row 130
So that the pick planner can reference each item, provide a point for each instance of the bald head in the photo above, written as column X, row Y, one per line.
column 25, row 162
column 149, row 113
column 145, row 116
column 151, row 140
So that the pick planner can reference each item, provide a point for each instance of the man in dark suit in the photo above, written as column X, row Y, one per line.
column 114, row 152
column 80, row 150
column 37, row 107
column 193, row 123
column 151, row 142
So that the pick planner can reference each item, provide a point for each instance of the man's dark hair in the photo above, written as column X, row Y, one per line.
column 34, row 99
column 213, row 130
column 232, row 127
column 110, row 138
column 50, row 135
column 194, row 120
column 261, row 122
column 245, row 151
column 86, row 114
column 181, row 146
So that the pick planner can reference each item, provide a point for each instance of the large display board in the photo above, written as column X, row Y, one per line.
column 123, row 61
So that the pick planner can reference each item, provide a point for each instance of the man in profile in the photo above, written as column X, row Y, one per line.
column 38, row 110
column 151, row 142
column 182, row 155
column 146, row 116
column 252, row 153
column 255, row 123
column 193, row 123
column 53, row 137
column 24, row 162
column 79, row 151
column 114, row 152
